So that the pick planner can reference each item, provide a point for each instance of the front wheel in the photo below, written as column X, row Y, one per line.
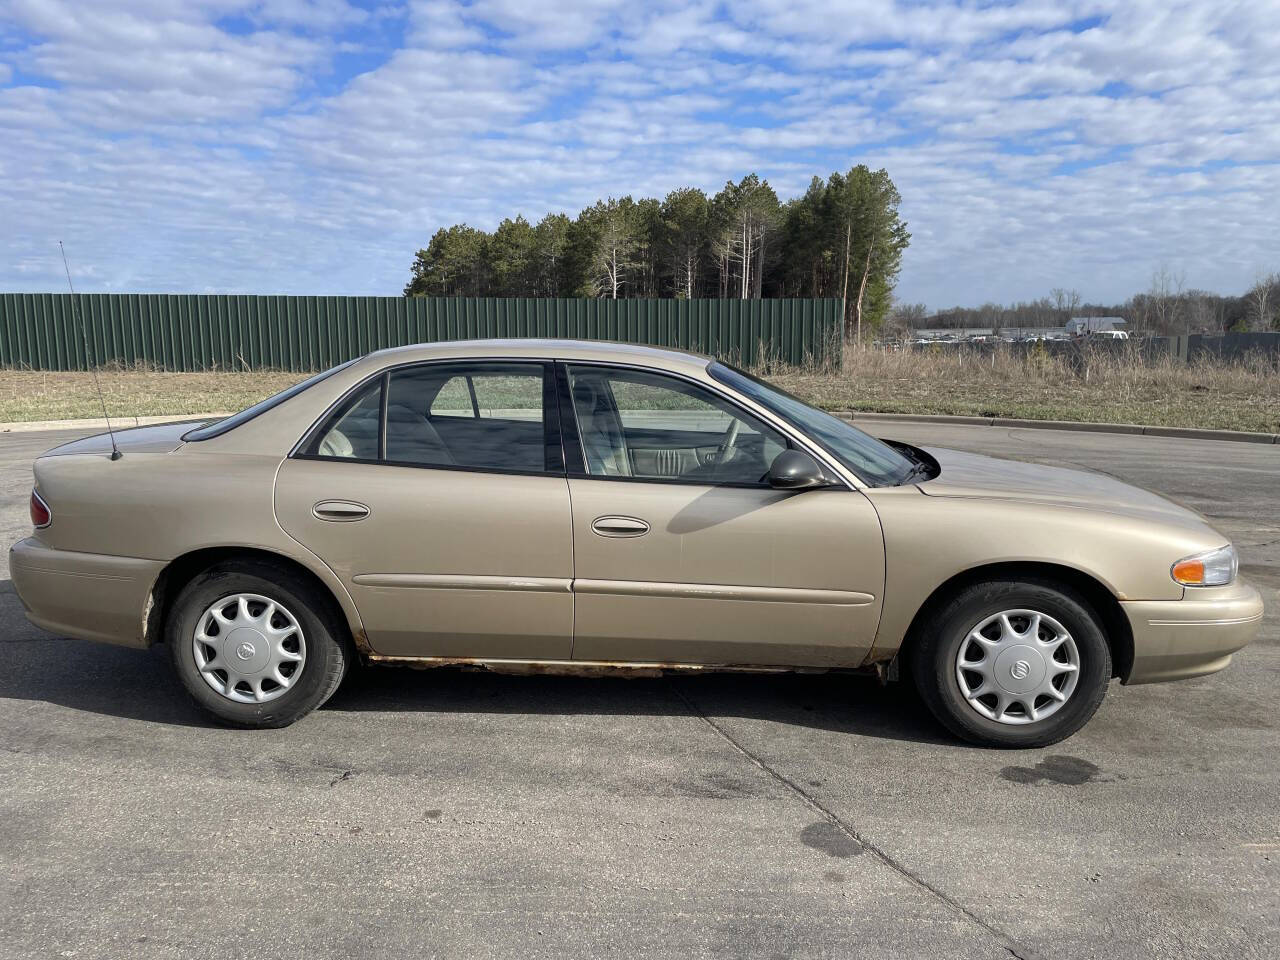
column 255, row 645
column 1012, row 663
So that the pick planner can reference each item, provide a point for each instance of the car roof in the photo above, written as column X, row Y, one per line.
column 541, row 348
column 292, row 417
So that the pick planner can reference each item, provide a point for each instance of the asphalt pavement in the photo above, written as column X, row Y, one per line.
column 449, row 814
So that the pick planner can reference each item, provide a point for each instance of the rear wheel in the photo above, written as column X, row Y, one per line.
column 255, row 644
column 1012, row 663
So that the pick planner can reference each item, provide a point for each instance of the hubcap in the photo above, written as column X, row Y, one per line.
column 249, row 648
column 1018, row 666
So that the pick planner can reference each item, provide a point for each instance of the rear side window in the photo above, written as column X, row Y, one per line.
column 500, row 427
column 353, row 432
column 479, row 416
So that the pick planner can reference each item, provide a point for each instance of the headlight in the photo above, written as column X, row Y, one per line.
column 1214, row 568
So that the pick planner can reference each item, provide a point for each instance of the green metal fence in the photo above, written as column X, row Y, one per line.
column 205, row 332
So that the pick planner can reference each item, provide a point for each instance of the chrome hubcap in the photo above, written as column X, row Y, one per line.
column 249, row 648
column 1018, row 666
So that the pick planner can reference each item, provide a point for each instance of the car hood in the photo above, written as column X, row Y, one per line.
column 972, row 475
column 158, row 438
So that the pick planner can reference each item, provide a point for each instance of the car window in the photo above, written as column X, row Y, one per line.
column 875, row 462
column 454, row 399
column 502, row 396
column 353, row 430
column 649, row 426
column 485, row 416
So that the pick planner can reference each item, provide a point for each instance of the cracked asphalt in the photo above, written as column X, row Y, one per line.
column 448, row 814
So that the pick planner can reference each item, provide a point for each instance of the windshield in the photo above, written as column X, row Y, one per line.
column 219, row 427
column 875, row 462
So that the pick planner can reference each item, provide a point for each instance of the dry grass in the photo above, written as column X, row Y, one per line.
column 41, row 395
column 1108, row 387
column 1104, row 386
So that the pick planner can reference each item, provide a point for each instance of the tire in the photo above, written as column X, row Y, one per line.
column 304, row 625
column 938, row 672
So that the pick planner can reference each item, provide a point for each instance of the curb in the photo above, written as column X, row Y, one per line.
column 117, row 423
column 1135, row 429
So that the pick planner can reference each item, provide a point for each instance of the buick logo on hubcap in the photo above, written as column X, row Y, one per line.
column 1018, row 671
column 246, row 651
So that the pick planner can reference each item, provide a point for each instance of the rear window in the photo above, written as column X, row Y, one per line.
column 218, row 427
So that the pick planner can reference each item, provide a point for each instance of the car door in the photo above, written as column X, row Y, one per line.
column 684, row 553
column 437, row 493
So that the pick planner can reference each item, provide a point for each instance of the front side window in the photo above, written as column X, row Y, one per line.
column 874, row 461
column 481, row 416
column 648, row 426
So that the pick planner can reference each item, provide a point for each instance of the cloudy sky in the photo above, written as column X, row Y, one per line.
column 310, row 146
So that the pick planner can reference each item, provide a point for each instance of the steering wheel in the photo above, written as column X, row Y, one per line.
column 728, row 441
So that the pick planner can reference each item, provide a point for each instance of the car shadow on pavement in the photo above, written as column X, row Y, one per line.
column 842, row 703
column 140, row 685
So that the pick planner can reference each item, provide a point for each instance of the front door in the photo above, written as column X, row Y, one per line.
column 437, row 494
column 683, row 553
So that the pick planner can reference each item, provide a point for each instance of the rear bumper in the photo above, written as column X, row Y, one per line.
column 1178, row 639
column 86, row 595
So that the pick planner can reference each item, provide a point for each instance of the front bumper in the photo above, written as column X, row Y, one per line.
column 1178, row 639
column 86, row 595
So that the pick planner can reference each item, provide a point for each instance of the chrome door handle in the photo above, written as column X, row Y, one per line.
column 342, row 511
column 619, row 526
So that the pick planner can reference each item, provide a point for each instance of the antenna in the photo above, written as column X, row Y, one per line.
column 93, row 367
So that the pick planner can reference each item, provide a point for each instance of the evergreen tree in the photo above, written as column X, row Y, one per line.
column 842, row 238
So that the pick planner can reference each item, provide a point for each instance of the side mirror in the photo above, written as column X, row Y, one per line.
column 795, row 470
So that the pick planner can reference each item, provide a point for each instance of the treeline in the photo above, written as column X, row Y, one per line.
column 1051, row 311
column 1166, row 308
column 842, row 238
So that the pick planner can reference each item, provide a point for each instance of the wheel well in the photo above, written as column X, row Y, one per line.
column 1104, row 603
column 183, row 569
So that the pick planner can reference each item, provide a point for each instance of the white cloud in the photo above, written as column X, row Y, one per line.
column 281, row 145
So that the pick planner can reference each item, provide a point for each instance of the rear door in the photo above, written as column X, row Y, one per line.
column 682, row 550
column 437, row 494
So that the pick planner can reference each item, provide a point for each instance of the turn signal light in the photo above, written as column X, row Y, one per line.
column 40, row 514
column 1215, row 568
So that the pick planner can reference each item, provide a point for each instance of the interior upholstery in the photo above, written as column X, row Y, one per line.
column 336, row 444
column 411, row 438
column 600, row 429
column 356, row 435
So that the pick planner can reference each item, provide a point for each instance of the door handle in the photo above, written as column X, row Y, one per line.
column 341, row 511
column 619, row 526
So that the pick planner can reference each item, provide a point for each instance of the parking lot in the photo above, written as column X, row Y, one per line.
column 441, row 813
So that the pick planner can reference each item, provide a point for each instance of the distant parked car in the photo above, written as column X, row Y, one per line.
column 1108, row 335
column 568, row 507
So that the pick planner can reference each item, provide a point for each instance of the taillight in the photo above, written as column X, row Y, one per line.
column 40, row 515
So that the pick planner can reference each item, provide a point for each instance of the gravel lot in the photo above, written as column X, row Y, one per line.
column 425, row 814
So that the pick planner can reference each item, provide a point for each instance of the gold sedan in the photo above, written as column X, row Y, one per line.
column 560, row 506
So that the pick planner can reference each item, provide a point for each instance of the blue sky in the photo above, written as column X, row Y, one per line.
column 310, row 146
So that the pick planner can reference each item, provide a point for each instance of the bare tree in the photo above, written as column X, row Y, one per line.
column 1204, row 312
column 1166, row 301
column 1260, row 300
column 902, row 319
column 1065, row 303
